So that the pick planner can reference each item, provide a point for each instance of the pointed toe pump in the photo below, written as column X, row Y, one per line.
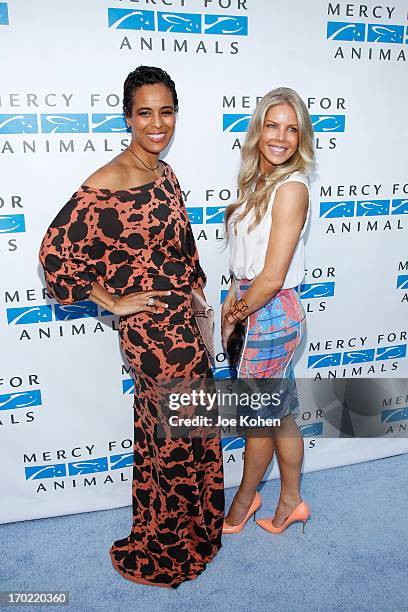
column 256, row 504
column 300, row 513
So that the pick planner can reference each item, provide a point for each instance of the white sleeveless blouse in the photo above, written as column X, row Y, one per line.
column 248, row 250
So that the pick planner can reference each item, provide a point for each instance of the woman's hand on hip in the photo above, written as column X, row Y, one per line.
column 138, row 302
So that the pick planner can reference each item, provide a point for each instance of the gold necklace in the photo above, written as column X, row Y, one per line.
column 141, row 160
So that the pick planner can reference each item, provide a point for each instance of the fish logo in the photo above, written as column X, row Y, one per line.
column 402, row 281
column 29, row 314
column 311, row 430
column 108, row 124
column 317, row 290
column 129, row 19
column 396, row 414
column 372, row 208
column 37, row 472
column 195, row 214
column 324, row 361
column 340, row 30
column 232, row 122
column 117, row 462
column 18, row 124
column 128, row 386
column 399, row 207
column 68, row 123
column 215, row 214
column 398, row 351
column 187, row 23
column 12, row 224
column 226, row 25
column 90, row 466
column 358, row 356
column 4, row 17
column 385, row 33
column 328, row 123
column 233, row 443
column 332, row 210
column 223, row 373
column 20, row 399
column 79, row 310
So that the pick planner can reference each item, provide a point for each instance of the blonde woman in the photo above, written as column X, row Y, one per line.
column 265, row 229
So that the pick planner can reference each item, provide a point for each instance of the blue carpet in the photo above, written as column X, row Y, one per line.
column 353, row 555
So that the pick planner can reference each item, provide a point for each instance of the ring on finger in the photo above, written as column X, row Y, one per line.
column 151, row 301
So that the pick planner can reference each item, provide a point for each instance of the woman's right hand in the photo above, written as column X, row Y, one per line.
column 137, row 302
column 228, row 302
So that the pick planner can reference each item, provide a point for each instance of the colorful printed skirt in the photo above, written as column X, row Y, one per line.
column 272, row 335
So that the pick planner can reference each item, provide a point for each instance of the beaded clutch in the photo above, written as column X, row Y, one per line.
column 204, row 316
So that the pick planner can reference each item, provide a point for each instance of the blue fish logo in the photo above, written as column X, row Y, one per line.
column 372, row 208
column 341, row 30
column 223, row 373
column 328, row 123
column 324, row 361
column 402, row 281
column 395, row 414
column 37, row 472
column 186, row 23
column 129, row 19
column 103, row 123
column 12, row 224
column 117, row 462
column 317, row 290
column 312, row 429
column 361, row 356
column 399, row 207
column 227, row 25
column 68, row 123
column 89, row 466
column 232, row 122
column 215, row 214
column 79, row 310
column 195, row 214
column 18, row 124
column 29, row 314
column 331, row 210
column 233, row 443
column 385, row 33
column 128, row 386
column 20, row 399
column 398, row 351
column 4, row 17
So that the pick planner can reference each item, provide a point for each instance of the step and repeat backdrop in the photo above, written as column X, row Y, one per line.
column 65, row 394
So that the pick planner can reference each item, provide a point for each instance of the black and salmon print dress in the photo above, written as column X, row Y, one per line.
column 133, row 240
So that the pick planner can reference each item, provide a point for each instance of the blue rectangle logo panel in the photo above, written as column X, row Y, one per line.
column 402, row 281
column 311, row 430
column 372, row 208
column 360, row 356
column 12, row 224
column 332, row 210
column 399, row 207
column 391, row 352
column 103, row 123
column 37, row 472
column 128, row 386
column 88, row 466
column 385, row 33
column 130, row 19
column 225, row 24
column 195, row 214
column 20, row 399
column 186, row 23
column 117, row 462
column 324, row 361
column 342, row 30
column 317, row 290
column 328, row 123
column 395, row 414
column 4, row 16
column 233, row 122
column 29, row 314
column 214, row 214
column 67, row 123
column 18, row 124
column 79, row 310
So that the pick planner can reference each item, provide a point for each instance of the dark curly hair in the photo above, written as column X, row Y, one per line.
column 146, row 75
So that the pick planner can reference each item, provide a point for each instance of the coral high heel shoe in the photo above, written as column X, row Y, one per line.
column 256, row 504
column 300, row 513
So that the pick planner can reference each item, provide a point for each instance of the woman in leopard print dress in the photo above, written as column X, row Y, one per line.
column 119, row 245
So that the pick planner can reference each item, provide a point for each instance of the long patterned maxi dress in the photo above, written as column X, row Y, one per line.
column 132, row 240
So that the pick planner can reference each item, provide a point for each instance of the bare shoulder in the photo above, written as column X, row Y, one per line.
column 110, row 176
column 293, row 189
column 291, row 200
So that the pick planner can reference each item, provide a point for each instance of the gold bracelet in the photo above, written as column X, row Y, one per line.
column 237, row 311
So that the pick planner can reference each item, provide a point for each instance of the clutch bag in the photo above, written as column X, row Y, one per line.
column 235, row 345
column 204, row 316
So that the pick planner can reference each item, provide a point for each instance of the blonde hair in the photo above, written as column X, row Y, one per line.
column 302, row 159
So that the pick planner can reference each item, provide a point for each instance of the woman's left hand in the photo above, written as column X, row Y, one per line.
column 226, row 330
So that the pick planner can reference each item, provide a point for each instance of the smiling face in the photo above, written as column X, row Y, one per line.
column 153, row 118
column 280, row 137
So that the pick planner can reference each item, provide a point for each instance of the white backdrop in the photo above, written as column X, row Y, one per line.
column 65, row 396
